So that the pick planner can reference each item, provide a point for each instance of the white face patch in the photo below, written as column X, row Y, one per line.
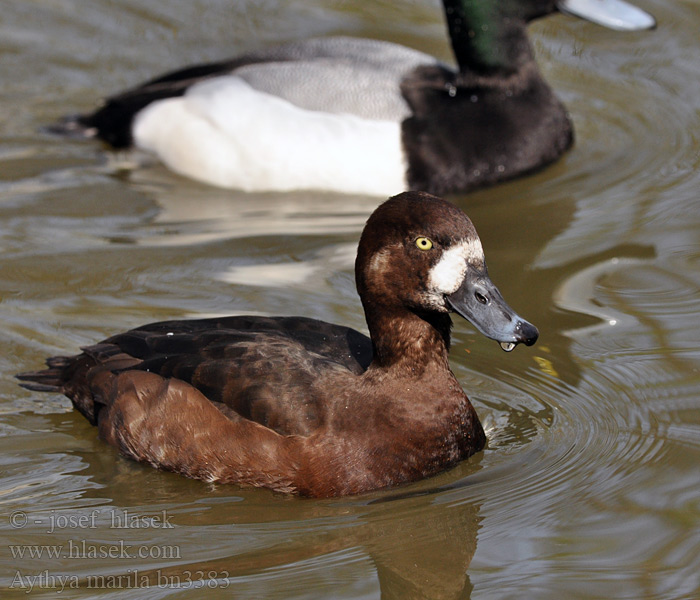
column 474, row 252
column 448, row 274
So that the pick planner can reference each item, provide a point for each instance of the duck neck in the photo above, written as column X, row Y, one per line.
column 409, row 341
column 484, row 41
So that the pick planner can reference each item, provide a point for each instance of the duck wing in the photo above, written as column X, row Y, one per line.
column 258, row 368
column 340, row 75
column 336, row 74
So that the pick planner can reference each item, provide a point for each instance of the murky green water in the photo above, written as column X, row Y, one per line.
column 589, row 487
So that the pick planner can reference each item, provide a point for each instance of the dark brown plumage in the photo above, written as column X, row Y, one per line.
column 299, row 405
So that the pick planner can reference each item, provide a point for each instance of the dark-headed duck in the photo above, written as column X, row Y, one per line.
column 299, row 405
column 361, row 116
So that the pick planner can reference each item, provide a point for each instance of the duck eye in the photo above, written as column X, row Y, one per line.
column 424, row 243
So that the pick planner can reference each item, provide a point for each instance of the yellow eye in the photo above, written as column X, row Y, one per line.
column 424, row 243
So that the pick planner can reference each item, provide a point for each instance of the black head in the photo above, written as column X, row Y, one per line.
column 421, row 254
column 615, row 14
column 488, row 36
column 482, row 12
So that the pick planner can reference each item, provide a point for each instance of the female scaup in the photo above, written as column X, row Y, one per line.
column 299, row 405
column 361, row 116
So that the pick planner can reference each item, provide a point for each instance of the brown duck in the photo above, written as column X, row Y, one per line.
column 299, row 405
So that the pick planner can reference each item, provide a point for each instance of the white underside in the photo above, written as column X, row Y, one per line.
column 225, row 133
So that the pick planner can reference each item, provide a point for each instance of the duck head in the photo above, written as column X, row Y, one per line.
column 489, row 35
column 614, row 14
column 420, row 254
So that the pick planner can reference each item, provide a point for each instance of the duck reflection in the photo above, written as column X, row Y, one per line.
column 412, row 542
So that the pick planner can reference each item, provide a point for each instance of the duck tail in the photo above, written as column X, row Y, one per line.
column 111, row 123
column 72, row 126
column 46, row 380
column 57, row 378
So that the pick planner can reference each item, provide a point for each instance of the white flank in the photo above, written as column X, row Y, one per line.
column 448, row 274
column 225, row 133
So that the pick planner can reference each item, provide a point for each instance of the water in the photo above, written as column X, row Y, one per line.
column 589, row 486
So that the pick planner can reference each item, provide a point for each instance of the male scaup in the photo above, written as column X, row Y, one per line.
column 361, row 116
column 299, row 405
